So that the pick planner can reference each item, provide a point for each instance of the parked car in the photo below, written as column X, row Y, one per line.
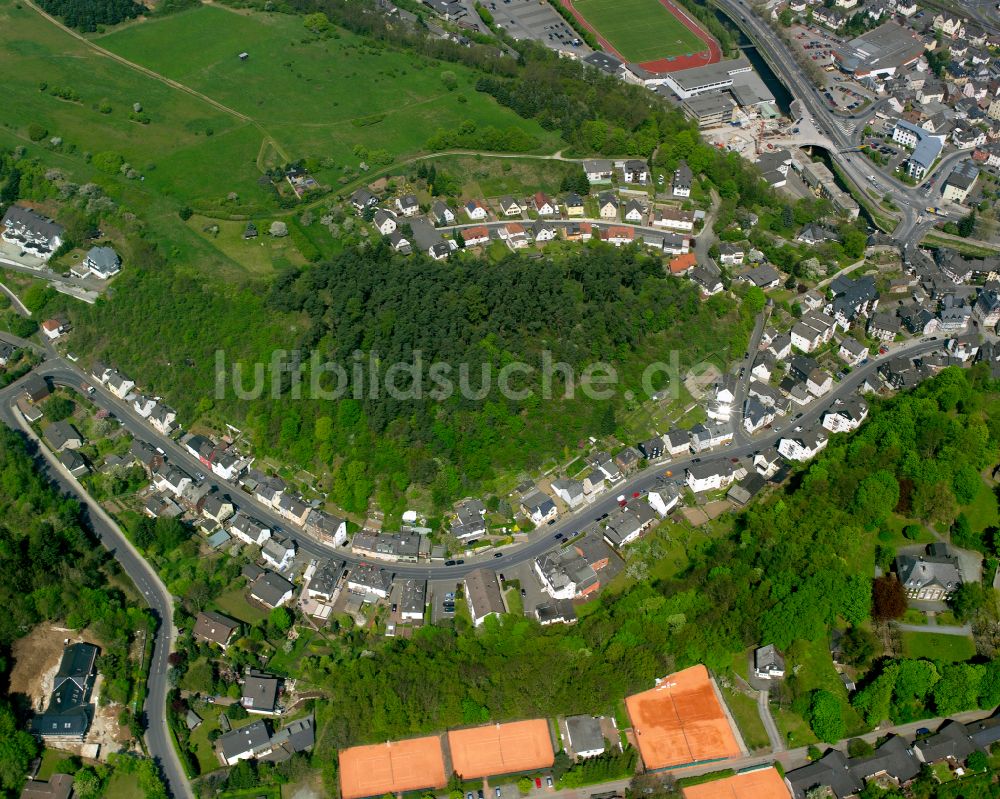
column 548, row 781
column 538, row 783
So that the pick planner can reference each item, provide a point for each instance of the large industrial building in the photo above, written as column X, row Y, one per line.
column 879, row 52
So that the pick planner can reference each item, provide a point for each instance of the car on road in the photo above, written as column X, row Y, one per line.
column 551, row 521
column 450, row 595
column 498, row 554
column 523, row 593
column 558, row 536
column 449, row 563
column 459, row 562
column 394, row 606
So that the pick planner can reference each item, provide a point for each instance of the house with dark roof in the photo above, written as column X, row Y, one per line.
column 296, row 736
column 58, row 786
column 271, row 590
column 585, row 736
column 62, row 435
column 370, row 581
column 933, row 576
column 69, row 711
column 768, row 664
column 951, row 742
column 102, row 262
column 483, row 595
column 244, row 743
column 215, row 628
column 260, row 692
column 31, row 232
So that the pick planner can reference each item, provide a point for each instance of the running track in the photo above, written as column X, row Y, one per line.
column 710, row 55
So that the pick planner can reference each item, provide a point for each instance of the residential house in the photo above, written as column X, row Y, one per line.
column 884, row 327
column 408, row 205
column 543, row 232
column 214, row 628
column 768, row 664
column 710, row 476
column 652, row 448
column 564, row 574
column 117, row 383
column 244, row 743
column 326, row 527
column 102, row 262
column 543, row 205
column 931, row 577
column 370, row 581
column 756, row 415
column 443, row 215
column 62, row 435
column 413, row 600
column 31, row 232
column 674, row 219
column 704, row 437
column 987, row 308
column 483, row 596
column 509, row 206
column 58, row 786
column 764, row 277
column 682, row 180
column 574, row 204
column 767, row 462
column 708, row 279
column 470, row 520
column 248, row 529
column 731, row 253
column 324, row 582
column 960, row 182
column 163, row 418
column 271, row 590
column 476, row 210
column 852, row 299
column 292, row 508
column 635, row 211
column 539, row 508
column 217, row 506
column 569, row 491
column 852, row 352
column 74, row 463
column 598, row 170
column 387, row 546
column 803, row 445
column 683, row 263
column 607, row 205
column 635, row 171
column 515, row 235
column 811, row 331
column 627, row 523
column 475, row 235
column 362, row 200
column 68, row 713
column 664, row 498
column 385, row 221
column 677, row 442
column 278, row 552
column 260, row 692
column 628, row 459
column 846, row 417
column 952, row 742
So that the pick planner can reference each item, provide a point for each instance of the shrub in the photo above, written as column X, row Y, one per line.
column 36, row 132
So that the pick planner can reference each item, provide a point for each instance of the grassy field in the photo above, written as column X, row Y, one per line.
column 641, row 30
column 813, row 668
column 744, row 710
column 935, row 646
column 983, row 512
column 234, row 603
column 123, row 786
column 175, row 151
column 315, row 97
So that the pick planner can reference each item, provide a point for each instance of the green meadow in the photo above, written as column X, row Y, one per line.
column 317, row 97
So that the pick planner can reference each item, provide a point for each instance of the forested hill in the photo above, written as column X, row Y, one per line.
column 594, row 303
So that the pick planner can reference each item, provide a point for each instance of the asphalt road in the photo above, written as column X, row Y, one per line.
column 158, row 739
column 66, row 374
column 911, row 200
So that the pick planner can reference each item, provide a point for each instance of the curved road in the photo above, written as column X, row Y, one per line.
column 158, row 738
column 66, row 374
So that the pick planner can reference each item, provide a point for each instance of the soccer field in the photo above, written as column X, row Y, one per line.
column 641, row 30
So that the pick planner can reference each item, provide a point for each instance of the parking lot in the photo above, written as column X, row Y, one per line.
column 531, row 19
column 438, row 591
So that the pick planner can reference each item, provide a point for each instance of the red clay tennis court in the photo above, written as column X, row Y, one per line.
column 681, row 722
column 763, row 783
column 392, row 767
column 501, row 748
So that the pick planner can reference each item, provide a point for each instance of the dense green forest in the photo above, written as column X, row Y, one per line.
column 795, row 565
column 88, row 14
column 52, row 569
column 597, row 304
